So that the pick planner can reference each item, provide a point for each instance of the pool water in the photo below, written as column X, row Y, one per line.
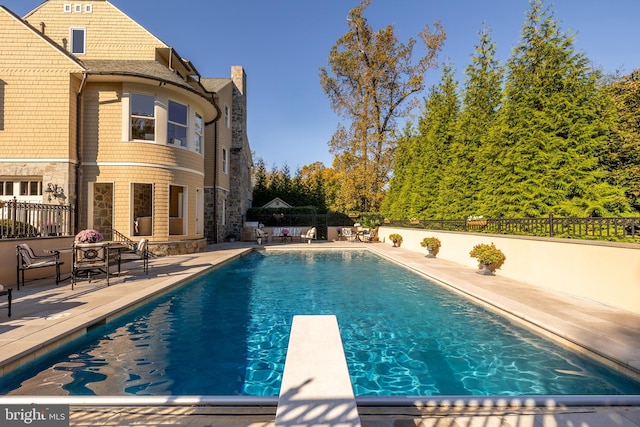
column 226, row 333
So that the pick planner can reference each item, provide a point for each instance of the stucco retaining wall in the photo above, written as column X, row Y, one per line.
column 600, row 271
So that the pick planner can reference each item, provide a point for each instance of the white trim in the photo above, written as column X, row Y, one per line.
column 88, row 8
column 36, row 161
column 67, row 8
column 77, row 8
column 146, row 165
column 84, row 40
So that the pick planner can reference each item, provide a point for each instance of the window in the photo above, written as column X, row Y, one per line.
column 177, row 127
column 199, row 136
column 143, row 121
column 227, row 116
column 177, row 198
column 67, row 8
column 88, row 8
column 224, row 160
column 77, row 40
column 77, row 8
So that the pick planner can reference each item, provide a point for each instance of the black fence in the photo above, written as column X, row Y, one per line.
column 618, row 229
column 22, row 219
column 551, row 226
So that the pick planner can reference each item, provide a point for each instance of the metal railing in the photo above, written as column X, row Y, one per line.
column 23, row 219
column 551, row 226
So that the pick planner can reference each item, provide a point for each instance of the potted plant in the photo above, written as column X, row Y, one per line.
column 396, row 239
column 89, row 236
column 489, row 257
column 414, row 221
column 433, row 246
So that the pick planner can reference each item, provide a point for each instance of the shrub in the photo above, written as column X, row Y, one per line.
column 431, row 242
column 395, row 238
column 489, row 255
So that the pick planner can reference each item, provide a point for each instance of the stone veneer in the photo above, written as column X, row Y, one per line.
column 103, row 206
column 178, row 247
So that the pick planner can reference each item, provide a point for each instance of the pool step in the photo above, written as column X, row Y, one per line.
column 316, row 388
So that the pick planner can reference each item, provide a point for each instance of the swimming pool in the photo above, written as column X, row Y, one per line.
column 225, row 333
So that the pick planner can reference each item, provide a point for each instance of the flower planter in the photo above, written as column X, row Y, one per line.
column 486, row 270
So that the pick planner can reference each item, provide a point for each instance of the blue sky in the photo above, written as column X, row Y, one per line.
column 282, row 44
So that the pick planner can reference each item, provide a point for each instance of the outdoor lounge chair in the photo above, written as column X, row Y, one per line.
column 90, row 259
column 309, row 235
column 261, row 236
column 139, row 252
column 28, row 260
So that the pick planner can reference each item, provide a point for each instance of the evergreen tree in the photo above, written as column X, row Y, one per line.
column 431, row 149
column 261, row 193
column 394, row 206
column 546, row 146
column 480, row 106
column 621, row 157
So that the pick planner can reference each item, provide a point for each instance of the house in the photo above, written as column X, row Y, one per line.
column 114, row 119
column 277, row 203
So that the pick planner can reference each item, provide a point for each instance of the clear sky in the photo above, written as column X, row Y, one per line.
column 282, row 44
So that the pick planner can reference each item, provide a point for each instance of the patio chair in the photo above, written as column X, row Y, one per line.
column 27, row 260
column 309, row 235
column 370, row 236
column 261, row 236
column 348, row 234
column 139, row 252
column 90, row 259
column 6, row 292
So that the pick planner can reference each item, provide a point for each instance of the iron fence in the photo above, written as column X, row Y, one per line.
column 551, row 226
column 23, row 219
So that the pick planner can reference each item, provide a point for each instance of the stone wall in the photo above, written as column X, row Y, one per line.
column 239, row 197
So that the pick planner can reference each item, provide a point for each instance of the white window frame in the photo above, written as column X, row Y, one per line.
column 227, row 116
column 184, row 125
column 88, row 8
column 225, row 160
column 72, row 43
column 198, row 134
column 132, row 116
column 66, row 8
column 77, row 8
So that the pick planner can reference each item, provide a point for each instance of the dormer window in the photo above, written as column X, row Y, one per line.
column 78, row 41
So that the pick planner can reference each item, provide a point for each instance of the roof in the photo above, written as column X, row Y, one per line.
column 215, row 84
column 277, row 203
column 153, row 69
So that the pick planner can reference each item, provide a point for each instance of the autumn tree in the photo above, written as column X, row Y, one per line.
column 370, row 80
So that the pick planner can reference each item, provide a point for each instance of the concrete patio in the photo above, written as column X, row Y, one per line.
column 44, row 314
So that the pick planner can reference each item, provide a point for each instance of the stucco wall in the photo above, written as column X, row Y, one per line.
column 601, row 271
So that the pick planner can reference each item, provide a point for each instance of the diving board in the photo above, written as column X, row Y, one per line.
column 316, row 389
